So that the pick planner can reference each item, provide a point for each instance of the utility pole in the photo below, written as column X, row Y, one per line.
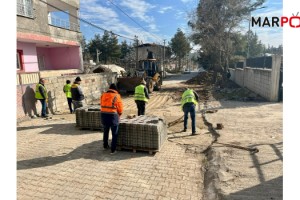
column 136, row 52
column 98, row 53
column 164, row 71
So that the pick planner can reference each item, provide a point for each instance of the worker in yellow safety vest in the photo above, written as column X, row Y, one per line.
column 67, row 91
column 41, row 95
column 141, row 97
column 189, row 100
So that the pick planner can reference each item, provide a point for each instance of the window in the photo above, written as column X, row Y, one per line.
column 25, row 8
column 41, row 62
column 19, row 60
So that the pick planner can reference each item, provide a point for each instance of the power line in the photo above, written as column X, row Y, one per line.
column 133, row 20
column 87, row 22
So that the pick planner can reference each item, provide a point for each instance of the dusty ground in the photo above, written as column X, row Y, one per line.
column 238, row 174
column 57, row 161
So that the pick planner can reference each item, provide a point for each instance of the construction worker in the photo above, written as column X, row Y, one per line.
column 67, row 91
column 141, row 97
column 189, row 100
column 41, row 95
column 77, row 95
column 111, row 110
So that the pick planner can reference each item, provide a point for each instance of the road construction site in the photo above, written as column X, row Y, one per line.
column 240, row 158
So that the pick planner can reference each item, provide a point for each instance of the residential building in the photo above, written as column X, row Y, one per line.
column 48, row 37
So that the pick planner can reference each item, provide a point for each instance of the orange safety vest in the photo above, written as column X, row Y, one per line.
column 111, row 102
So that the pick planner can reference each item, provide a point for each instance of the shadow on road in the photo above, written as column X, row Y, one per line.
column 271, row 189
column 258, row 166
column 92, row 151
column 60, row 129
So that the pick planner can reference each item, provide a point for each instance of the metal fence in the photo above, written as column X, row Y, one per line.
column 63, row 24
column 25, row 8
column 260, row 62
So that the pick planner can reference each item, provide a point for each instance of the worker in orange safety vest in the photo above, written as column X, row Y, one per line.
column 111, row 110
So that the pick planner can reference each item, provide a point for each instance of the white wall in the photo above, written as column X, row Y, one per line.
column 264, row 82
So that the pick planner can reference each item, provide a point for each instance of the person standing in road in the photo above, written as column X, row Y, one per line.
column 41, row 95
column 141, row 97
column 67, row 91
column 111, row 110
column 77, row 95
column 189, row 100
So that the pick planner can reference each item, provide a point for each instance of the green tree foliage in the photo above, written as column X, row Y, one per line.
column 93, row 45
column 107, row 46
column 256, row 48
column 274, row 50
column 180, row 46
column 114, row 49
column 125, row 49
column 215, row 29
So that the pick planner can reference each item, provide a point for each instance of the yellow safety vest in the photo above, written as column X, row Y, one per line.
column 67, row 90
column 187, row 97
column 38, row 95
column 139, row 93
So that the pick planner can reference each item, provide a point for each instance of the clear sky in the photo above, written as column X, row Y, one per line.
column 160, row 18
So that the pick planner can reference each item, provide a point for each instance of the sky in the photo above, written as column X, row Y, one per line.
column 156, row 20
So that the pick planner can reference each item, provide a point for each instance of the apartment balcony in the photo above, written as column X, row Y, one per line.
column 25, row 9
column 74, row 3
column 57, row 22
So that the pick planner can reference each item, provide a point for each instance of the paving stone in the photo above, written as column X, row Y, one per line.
column 70, row 164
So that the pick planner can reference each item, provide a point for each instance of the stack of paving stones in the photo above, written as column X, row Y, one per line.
column 89, row 117
column 145, row 133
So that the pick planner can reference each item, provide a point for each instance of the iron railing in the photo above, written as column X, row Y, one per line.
column 25, row 9
column 63, row 24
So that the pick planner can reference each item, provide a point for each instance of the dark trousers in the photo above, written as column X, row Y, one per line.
column 110, row 122
column 141, row 106
column 189, row 108
column 43, row 112
column 77, row 104
column 70, row 104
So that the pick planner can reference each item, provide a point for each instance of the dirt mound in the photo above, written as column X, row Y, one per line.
column 201, row 78
column 100, row 69
column 227, row 90
column 236, row 93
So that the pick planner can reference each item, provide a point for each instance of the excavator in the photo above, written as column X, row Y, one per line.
column 148, row 70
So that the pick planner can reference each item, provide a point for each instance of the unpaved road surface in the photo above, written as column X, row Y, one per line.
column 237, row 173
column 57, row 161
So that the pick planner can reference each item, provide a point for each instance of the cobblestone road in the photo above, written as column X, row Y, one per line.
column 57, row 161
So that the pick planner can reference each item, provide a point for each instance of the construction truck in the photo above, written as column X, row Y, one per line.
column 148, row 70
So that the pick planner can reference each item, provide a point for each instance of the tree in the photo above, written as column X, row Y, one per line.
column 84, row 49
column 274, row 50
column 104, row 48
column 107, row 46
column 114, row 52
column 125, row 49
column 180, row 46
column 215, row 27
column 93, row 45
column 256, row 48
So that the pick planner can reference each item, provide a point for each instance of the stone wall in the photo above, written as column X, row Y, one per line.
column 92, row 85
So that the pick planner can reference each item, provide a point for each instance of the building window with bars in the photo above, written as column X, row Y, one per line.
column 19, row 60
column 25, row 8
